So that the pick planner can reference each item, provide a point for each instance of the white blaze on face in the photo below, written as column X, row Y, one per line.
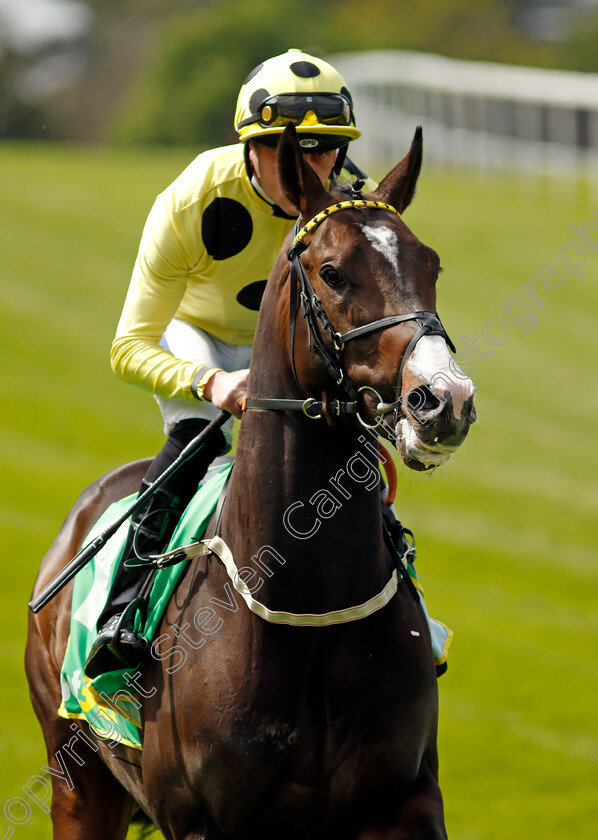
column 385, row 241
column 433, row 365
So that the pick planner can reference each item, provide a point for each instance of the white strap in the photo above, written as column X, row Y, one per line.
column 220, row 548
column 188, row 552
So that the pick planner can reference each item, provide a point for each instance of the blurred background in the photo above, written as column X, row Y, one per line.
column 102, row 103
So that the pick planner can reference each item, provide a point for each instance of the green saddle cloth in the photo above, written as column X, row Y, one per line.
column 108, row 702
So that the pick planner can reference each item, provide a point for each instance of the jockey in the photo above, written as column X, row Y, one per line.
column 189, row 317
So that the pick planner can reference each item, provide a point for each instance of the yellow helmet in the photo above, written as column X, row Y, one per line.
column 299, row 88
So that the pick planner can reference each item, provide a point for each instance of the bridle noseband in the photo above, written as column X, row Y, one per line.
column 311, row 307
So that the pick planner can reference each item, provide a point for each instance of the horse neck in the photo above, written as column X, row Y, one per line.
column 305, row 495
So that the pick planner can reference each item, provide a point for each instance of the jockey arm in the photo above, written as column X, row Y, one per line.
column 158, row 285
column 181, row 272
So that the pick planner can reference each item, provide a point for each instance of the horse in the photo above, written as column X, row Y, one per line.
column 316, row 718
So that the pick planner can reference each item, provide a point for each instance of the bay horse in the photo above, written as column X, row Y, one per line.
column 324, row 726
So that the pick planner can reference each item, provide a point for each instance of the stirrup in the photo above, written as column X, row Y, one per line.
column 117, row 645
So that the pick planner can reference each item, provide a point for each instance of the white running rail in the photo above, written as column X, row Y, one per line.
column 474, row 114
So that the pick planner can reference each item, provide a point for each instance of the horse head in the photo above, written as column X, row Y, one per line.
column 367, row 289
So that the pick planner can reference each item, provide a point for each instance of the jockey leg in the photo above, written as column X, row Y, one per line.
column 117, row 645
column 153, row 526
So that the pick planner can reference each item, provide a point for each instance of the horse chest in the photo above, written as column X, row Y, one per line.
column 315, row 725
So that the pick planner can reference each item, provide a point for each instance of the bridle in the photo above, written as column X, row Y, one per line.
column 312, row 310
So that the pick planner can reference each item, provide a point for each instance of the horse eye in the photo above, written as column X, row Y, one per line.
column 331, row 277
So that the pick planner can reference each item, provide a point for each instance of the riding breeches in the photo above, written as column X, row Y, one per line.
column 190, row 343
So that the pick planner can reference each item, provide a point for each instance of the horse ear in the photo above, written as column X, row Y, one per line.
column 398, row 187
column 300, row 183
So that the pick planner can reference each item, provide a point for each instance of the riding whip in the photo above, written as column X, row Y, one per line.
column 89, row 551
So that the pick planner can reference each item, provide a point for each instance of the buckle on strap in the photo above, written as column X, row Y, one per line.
column 334, row 407
column 380, row 418
column 309, row 402
column 178, row 555
column 312, row 408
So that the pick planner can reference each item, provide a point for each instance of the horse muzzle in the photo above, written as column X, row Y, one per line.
column 433, row 424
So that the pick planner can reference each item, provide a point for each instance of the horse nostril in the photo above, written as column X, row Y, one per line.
column 421, row 399
column 469, row 410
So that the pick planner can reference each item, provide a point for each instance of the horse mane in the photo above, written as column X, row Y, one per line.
column 344, row 190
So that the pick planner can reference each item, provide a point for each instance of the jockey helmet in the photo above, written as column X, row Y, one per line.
column 302, row 89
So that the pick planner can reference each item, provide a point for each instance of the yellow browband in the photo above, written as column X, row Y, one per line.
column 356, row 204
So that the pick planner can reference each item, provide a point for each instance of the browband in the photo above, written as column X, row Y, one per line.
column 355, row 203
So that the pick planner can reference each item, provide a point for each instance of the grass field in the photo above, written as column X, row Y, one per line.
column 506, row 531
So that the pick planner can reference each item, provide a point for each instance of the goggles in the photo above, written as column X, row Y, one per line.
column 282, row 108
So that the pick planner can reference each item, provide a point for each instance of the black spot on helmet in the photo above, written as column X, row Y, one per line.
column 305, row 69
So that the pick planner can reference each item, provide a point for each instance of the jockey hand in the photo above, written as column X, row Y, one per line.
column 226, row 390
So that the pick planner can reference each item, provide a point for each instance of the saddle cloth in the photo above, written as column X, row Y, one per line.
column 109, row 702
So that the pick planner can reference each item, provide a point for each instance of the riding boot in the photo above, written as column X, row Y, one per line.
column 117, row 645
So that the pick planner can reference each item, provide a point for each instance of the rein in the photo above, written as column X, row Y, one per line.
column 313, row 311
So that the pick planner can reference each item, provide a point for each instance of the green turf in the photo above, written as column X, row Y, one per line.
column 505, row 530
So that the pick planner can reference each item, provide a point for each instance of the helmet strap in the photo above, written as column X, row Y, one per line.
column 338, row 165
column 248, row 167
